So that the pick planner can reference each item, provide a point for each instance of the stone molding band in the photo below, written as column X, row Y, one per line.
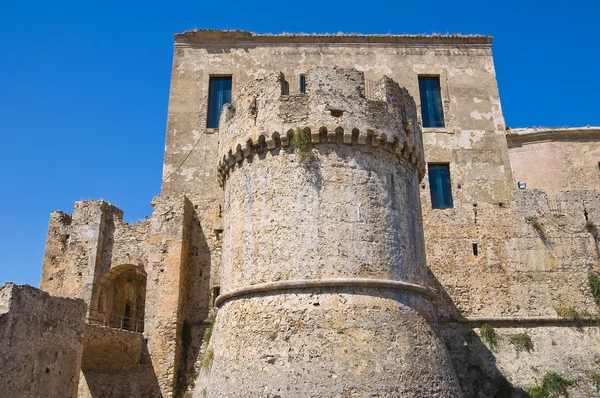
column 319, row 135
column 324, row 283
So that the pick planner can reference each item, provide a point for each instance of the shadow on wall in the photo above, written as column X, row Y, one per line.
column 198, row 297
column 474, row 363
column 140, row 382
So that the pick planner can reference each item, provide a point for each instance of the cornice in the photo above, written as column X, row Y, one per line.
column 530, row 135
column 216, row 37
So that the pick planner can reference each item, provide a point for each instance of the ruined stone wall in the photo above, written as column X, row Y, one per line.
column 41, row 343
column 92, row 250
column 556, row 160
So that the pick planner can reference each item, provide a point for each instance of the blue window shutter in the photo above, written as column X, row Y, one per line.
column 303, row 84
column 440, row 186
column 432, row 110
column 219, row 93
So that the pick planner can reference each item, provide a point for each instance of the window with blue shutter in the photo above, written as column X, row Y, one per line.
column 439, row 186
column 302, row 84
column 219, row 93
column 431, row 101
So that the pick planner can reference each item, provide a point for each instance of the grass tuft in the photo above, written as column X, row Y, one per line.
column 568, row 312
column 596, row 379
column 551, row 385
column 489, row 336
column 594, row 281
column 521, row 342
column 207, row 360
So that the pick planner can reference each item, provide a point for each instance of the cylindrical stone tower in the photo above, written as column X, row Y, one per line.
column 322, row 278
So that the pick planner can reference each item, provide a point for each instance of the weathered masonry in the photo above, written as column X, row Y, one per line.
column 340, row 215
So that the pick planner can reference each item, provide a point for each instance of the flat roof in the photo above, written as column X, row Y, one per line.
column 211, row 37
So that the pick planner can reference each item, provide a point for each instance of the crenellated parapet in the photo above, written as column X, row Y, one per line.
column 336, row 109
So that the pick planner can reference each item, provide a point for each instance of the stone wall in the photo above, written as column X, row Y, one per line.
column 41, row 343
column 323, row 255
column 155, row 265
column 532, row 257
column 556, row 160
column 509, row 370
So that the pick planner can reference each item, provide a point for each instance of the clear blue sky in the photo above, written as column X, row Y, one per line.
column 85, row 85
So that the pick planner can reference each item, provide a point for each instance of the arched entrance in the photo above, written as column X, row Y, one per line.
column 122, row 298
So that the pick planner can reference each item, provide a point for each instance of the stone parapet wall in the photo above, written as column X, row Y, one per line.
column 333, row 110
column 555, row 160
column 88, row 255
column 41, row 343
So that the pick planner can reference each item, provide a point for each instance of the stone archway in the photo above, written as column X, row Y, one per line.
column 122, row 298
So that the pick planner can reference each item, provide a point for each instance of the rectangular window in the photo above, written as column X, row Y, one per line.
column 439, row 186
column 219, row 93
column 431, row 101
column 303, row 84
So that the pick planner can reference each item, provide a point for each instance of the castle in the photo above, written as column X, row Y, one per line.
column 340, row 216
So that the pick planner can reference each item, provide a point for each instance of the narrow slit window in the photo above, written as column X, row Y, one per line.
column 475, row 249
column 302, row 84
column 432, row 110
column 440, row 186
column 219, row 93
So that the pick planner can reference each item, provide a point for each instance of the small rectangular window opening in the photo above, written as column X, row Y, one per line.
column 475, row 250
column 598, row 166
column 219, row 93
column 302, row 84
column 432, row 111
column 440, row 186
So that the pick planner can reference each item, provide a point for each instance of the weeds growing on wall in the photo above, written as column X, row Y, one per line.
column 301, row 144
column 594, row 281
column 208, row 331
column 207, row 360
column 521, row 342
column 596, row 379
column 569, row 312
column 551, row 385
column 489, row 336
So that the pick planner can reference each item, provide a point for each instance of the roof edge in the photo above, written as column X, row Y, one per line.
column 524, row 135
column 209, row 36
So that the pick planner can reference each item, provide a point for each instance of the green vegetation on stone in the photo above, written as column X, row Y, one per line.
column 489, row 335
column 521, row 342
column 301, row 144
column 594, row 281
column 552, row 385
